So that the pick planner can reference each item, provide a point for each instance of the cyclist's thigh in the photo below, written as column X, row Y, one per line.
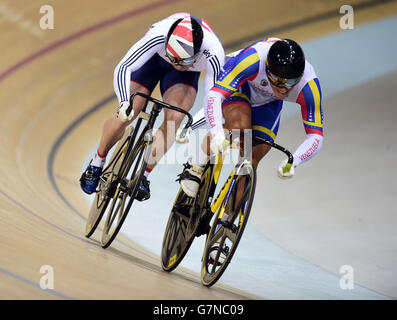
column 145, row 79
column 179, row 88
column 139, row 101
column 237, row 111
column 266, row 119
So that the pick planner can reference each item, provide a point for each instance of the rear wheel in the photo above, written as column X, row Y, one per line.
column 106, row 187
column 177, row 238
column 183, row 225
column 224, row 236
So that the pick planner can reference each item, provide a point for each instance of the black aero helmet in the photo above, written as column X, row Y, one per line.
column 184, row 40
column 285, row 63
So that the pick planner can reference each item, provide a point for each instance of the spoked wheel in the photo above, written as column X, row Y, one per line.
column 126, row 188
column 224, row 236
column 182, row 226
column 107, row 187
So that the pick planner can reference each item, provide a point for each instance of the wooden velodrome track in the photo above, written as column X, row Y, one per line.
column 50, row 78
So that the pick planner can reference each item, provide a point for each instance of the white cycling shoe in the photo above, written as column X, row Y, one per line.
column 190, row 179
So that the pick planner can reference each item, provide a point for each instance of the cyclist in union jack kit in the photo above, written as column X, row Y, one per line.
column 173, row 52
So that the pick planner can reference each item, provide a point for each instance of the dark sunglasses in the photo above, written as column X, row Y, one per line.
column 281, row 82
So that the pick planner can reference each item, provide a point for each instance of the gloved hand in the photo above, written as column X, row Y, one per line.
column 285, row 170
column 218, row 143
column 122, row 112
column 184, row 139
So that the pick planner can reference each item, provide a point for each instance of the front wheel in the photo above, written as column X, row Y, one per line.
column 225, row 234
column 126, row 189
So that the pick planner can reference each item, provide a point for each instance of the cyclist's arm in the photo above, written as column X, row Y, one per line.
column 236, row 72
column 135, row 58
column 213, row 110
column 214, row 63
column 198, row 119
column 312, row 115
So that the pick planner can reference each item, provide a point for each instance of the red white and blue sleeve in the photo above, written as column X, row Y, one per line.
column 236, row 72
column 312, row 115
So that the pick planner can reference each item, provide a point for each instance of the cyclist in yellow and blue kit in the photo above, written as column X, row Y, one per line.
column 249, row 93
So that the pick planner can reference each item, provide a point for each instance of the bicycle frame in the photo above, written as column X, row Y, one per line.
column 224, row 195
column 192, row 217
column 226, row 187
column 151, row 117
column 133, row 152
column 158, row 105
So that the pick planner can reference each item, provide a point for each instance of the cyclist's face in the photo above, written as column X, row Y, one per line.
column 280, row 92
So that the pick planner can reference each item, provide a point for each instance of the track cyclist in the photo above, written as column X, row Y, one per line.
column 174, row 52
column 249, row 93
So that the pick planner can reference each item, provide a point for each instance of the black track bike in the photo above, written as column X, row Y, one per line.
column 122, row 176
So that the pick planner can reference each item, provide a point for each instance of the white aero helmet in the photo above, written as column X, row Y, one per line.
column 184, row 40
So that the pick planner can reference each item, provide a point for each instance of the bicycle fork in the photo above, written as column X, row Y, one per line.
column 226, row 192
column 227, row 188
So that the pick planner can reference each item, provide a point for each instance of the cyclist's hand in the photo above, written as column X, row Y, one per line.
column 285, row 170
column 218, row 143
column 186, row 138
column 122, row 112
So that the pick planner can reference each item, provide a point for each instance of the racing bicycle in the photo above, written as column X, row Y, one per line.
column 205, row 214
column 121, row 178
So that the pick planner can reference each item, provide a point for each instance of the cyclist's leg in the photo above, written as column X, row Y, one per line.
column 236, row 111
column 237, row 114
column 144, row 80
column 112, row 131
column 178, row 89
column 264, row 121
column 182, row 96
column 114, row 128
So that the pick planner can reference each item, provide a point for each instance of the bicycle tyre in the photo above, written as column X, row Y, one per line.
column 106, row 188
column 173, row 253
column 210, row 277
column 140, row 151
column 176, row 242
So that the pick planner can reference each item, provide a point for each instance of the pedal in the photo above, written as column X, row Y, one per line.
column 111, row 189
